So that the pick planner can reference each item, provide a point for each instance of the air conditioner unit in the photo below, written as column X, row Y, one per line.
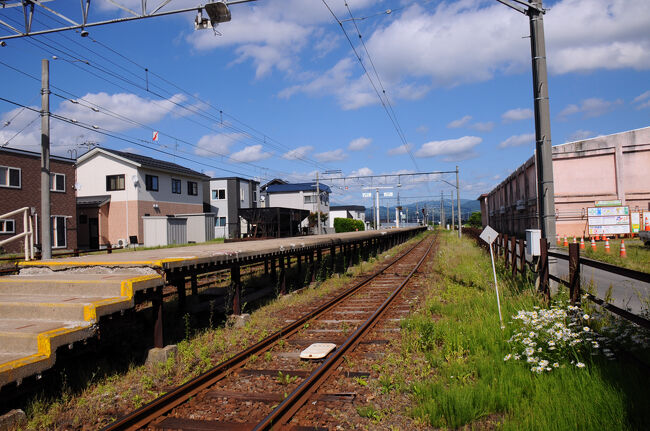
column 122, row 242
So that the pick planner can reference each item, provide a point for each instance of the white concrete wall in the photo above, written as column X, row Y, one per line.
column 164, row 193
column 91, row 176
column 219, row 207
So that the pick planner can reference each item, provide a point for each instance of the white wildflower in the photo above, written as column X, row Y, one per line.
column 580, row 365
column 507, row 357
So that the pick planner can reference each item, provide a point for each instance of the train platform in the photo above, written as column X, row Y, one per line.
column 58, row 302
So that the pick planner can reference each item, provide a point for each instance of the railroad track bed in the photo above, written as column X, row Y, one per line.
column 249, row 392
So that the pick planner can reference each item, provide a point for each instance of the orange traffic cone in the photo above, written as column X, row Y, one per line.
column 606, row 245
column 575, row 241
column 582, row 243
column 593, row 244
column 623, row 253
column 559, row 241
column 566, row 241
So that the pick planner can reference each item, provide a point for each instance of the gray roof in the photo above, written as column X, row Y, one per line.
column 93, row 201
column 152, row 163
column 347, row 208
column 297, row 187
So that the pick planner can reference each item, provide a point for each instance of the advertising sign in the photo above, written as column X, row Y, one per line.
column 613, row 203
column 636, row 222
column 608, row 220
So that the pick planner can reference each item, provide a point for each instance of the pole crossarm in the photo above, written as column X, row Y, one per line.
column 83, row 22
column 521, row 9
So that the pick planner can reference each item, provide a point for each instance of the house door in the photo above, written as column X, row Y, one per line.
column 93, row 233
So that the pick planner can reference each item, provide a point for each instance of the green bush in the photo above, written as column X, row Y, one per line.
column 348, row 225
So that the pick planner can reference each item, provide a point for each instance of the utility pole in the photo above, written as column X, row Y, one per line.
column 377, row 212
column 442, row 211
column 318, row 202
column 46, row 239
column 543, row 150
column 546, row 191
column 453, row 216
column 460, row 219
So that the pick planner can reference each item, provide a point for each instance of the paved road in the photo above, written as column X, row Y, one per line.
column 627, row 293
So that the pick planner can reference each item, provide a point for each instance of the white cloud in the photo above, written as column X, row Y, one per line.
column 592, row 107
column 643, row 100
column 451, row 147
column 108, row 108
column 361, row 172
column 461, row 122
column 580, row 135
column 517, row 114
column 422, row 129
column 216, row 145
column 331, row 156
column 359, row 144
column 252, row 153
column 483, row 127
column 518, row 140
column 297, row 153
column 402, row 149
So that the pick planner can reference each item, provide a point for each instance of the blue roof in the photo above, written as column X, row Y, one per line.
column 297, row 187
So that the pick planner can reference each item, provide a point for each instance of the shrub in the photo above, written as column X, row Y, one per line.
column 348, row 225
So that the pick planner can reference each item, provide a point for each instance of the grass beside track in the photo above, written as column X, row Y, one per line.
column 456, row 348
column 638, row 255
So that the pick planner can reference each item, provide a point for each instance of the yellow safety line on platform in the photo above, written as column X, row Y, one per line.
column 160, row 262
column 44, row 339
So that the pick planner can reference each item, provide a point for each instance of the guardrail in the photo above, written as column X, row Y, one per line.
column 27, row 233
column 513, row 251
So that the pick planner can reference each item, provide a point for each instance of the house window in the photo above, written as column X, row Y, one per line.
column 114, row 182
column 309, row 199
column 254, row 195
column 176, row 186
column 7, row 226
column 218, row 194
column 242, row 195
column 57, row 182
column 151, row 182
column 9, row 177
column 219, row 221
column 192, row 188
column 58, row 231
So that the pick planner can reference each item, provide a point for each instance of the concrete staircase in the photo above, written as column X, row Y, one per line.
column 41, row 312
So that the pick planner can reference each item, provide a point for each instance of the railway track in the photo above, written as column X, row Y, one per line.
column 268, row 386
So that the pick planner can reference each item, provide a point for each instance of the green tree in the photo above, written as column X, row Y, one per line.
column 475, row 220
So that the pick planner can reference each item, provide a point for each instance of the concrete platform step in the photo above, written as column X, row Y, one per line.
column 20, row 336
column 53, row 307
column 70, row 284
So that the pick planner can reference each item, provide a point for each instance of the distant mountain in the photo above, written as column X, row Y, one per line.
column 414, row 210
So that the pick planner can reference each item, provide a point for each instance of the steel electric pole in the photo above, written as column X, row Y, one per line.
column 46, row 239
column 544, row 152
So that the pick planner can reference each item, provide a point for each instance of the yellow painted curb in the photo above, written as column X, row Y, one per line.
column 44, row 339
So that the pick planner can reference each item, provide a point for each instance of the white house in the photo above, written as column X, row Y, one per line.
column 302, row 196
column 116, row 189
column 356, row 212
column 226, row 197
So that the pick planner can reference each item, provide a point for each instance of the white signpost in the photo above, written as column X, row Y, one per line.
column 489, row 235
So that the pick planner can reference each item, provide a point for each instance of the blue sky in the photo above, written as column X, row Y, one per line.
column 280, row 93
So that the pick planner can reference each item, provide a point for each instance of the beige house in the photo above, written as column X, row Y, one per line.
column 605, row 168
column 116, row 189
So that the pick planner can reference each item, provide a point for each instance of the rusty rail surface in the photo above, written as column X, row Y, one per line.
column 155, row 409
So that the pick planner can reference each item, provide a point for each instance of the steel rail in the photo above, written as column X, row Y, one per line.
column 156, row 408
column 294, row 401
